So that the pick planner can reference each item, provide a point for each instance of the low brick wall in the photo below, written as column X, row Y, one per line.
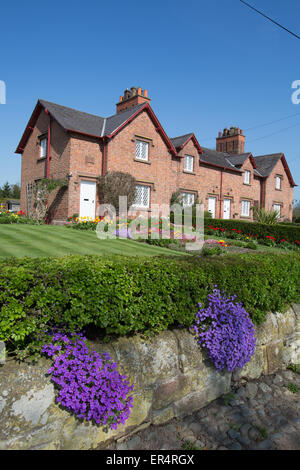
column 172, row 378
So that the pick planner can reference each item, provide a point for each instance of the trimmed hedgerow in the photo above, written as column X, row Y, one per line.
column 260, row 231
column 123, row 295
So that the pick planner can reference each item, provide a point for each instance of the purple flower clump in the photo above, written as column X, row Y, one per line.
column 89, row 383
column 226, row 331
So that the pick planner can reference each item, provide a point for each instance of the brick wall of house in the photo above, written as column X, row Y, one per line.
column 159, row 172
column 86, row 164
column 284, row 196
column 235, row 188
column 34, row 168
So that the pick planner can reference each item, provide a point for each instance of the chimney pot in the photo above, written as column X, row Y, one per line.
column 132, row 97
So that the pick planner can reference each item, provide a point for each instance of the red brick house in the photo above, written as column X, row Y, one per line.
column 61, row 142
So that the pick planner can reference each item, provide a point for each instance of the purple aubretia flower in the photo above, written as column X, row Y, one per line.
column 226, row 331
column 89, row 384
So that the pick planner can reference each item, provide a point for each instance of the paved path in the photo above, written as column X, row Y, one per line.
column 261, row 414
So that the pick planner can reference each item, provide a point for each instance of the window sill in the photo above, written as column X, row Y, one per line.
column 42, row 159
column 142, row 161
column 189, row 172
column 245, row 217
column 277, row 189
column 247, row 184
column 139, row 208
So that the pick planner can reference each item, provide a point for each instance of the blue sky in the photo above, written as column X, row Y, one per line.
column 206, row 65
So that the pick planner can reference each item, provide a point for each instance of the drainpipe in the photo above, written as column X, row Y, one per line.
column 48, row 158
column 221, row 195
column 48, row 145
column 104, row 157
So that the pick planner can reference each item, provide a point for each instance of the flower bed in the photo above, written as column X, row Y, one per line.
column 267, row 240
column 7, row 217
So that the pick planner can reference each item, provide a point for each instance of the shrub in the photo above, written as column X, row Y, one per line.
column 251, row 245
column 265, row 217
column 207, row 251
column 89, row 384
column 123, row 295
column 225, row 330
column 115, row 184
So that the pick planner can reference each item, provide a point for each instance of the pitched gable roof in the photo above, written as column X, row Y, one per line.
column 266, row 163
column 181, row 141
column 219, row 159
column 89, row 124
column 71, row 119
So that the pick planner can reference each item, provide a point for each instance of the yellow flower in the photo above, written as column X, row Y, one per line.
column 221, row 241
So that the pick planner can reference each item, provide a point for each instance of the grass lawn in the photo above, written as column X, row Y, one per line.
column 51, row 240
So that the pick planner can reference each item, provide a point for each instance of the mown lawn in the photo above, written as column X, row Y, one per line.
column 50, row 240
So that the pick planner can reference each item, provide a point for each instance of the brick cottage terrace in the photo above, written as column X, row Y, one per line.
column 60, row 142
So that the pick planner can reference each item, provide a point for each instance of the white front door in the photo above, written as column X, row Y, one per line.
column 212, row 206
column 226, row 214
column 87, row 199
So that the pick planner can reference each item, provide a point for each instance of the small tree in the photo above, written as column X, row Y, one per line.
column 115, row 184
column 5, row 191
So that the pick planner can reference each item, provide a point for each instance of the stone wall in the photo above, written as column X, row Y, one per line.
column 172, row 377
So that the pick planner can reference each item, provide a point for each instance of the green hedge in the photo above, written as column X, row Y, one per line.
column 125, row 295
column 279, row 231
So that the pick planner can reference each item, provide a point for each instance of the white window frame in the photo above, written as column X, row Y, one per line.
column 188, row 199
column 43, row 147
column 189, row 163
column 145, row 191
column 277, row 208
column 247, row 177
column 141, row 150
column 278, row 182
column 245, row 208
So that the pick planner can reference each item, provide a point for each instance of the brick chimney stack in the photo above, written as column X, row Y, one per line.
column 231, row 141
column 131, row 98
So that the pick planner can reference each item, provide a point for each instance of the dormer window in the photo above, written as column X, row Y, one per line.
column 141, row 150
column 278, row 182
column 188, row 163
column 43, row 147
column 247, row 177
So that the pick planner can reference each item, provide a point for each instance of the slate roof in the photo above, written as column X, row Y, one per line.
column 266, row 163
column 180, row 140
column 72, row 119
column 217, row 158
column 239, row 159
